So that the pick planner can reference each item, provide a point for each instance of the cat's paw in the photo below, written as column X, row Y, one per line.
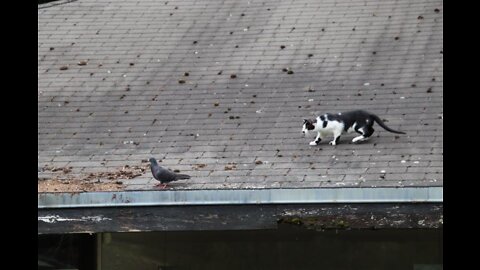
column 332, row 143
column 359, row 139
column 313, row 143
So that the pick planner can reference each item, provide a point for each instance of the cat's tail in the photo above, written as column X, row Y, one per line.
column 380, row 123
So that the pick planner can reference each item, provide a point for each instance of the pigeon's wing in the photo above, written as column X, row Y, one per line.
column 165, row 175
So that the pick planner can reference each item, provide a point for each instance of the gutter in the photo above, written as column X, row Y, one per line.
column 241, row 197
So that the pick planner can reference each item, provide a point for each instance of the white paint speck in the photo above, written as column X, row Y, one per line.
column 383, row 171
column 366, row 84
column 108, row 71
column 416, row 162
column 57, row 218
column 402, row 97
column 403, row 161
column 258, row 111
column 310, row 100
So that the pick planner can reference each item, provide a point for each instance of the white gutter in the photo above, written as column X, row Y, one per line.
column 240, row 196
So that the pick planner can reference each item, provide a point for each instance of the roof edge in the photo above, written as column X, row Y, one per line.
column 240, row 196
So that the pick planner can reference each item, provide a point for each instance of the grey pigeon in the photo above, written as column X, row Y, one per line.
column 163, row 175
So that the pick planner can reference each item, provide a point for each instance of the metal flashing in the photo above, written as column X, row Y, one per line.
column 243, row 196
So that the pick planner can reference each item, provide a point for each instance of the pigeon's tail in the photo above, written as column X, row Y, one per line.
column 182, row 176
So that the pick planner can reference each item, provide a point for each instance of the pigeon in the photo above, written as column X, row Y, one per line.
column 163, row 175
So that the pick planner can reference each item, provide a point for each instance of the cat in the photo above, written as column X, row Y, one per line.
column 335, row 124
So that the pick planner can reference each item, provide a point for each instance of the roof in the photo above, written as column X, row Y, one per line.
column 219, row 89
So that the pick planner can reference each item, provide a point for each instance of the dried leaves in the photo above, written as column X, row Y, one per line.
column 199, row 166
column 230, row 166
column 63, row 181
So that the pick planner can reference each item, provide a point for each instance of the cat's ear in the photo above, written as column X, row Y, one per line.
column 305, row 121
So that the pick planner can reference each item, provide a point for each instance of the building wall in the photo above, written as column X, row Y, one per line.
column 286, row 248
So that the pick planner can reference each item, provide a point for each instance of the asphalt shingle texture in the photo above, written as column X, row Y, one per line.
column 218, row 89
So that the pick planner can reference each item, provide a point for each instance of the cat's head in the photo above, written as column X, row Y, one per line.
column 308, row 125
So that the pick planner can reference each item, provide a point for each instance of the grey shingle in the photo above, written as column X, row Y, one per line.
column 126, row 104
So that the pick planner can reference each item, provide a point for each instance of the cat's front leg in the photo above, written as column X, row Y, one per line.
column 336, row 138
column 317, row 140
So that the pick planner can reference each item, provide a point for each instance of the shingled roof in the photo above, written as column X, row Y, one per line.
column 219, row 89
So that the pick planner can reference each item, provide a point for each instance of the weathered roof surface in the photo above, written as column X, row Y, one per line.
column 113, row 90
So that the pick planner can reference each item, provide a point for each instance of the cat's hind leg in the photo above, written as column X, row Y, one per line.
column 366, row 133
column 317, row 140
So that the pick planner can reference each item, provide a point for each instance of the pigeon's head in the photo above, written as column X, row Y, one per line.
column 153, row 161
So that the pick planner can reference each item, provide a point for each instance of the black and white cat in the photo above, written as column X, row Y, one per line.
column 335, row 124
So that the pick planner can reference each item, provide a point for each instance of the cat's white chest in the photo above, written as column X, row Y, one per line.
column 331, row 127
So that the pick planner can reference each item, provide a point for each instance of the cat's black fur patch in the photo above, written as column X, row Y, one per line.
column 362, row 119
column 361, row 122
